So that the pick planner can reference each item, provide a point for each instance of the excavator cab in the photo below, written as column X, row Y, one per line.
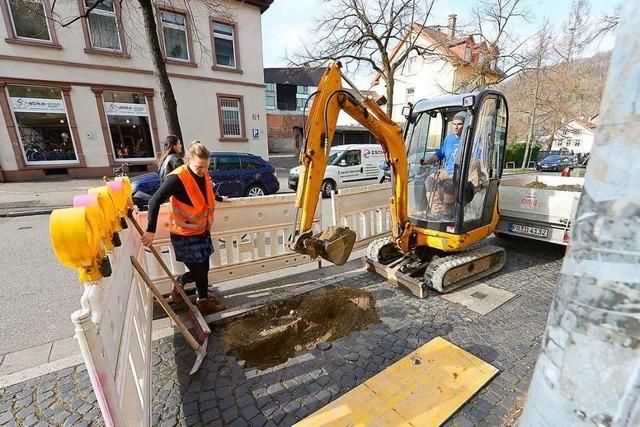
column 458, row 194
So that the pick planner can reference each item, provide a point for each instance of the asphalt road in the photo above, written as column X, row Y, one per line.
column 38, row 294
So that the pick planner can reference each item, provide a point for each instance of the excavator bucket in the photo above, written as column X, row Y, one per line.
column 334, row 244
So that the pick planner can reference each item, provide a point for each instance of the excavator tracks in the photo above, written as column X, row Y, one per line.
column 442, row 274
column 447, row 273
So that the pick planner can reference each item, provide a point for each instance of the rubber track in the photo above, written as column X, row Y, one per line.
column 438, row 268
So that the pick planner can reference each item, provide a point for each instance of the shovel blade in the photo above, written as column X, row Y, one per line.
column 335, row 244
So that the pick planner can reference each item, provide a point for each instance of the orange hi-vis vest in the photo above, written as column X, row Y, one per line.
column 188, row 220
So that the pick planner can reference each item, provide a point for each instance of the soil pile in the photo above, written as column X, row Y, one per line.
column 272, row 334
column 564, row 187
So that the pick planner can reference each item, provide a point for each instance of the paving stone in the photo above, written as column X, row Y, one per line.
column 30, row 421
column 229, row 415
column 211, row 416
column 5, row 417
column 25, row 412
column 71, row 421
column 239, row 422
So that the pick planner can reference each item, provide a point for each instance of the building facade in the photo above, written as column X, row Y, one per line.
column 442, row 63
column 287, row 102
column 576, row 136
column 78, row 97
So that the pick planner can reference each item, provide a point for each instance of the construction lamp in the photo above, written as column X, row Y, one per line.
column 126, row 187
column 98, row 202
column 111, row 218
column 116, row 191
column 75, row 239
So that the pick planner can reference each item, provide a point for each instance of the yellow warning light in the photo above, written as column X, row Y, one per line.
column 126, row 187
column 75, row 238
column 117, row 193
column 111, row 217
column 98, row 202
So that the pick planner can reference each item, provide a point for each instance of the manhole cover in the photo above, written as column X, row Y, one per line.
column 19, row 205
column 479, row 295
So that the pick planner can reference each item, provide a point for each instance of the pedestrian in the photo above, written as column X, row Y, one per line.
column 189, row 188
column 171, row 157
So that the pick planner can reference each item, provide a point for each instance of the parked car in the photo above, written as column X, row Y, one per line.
column 578, row 170
column 555, row 163
column 234, row 175
column 348, row 166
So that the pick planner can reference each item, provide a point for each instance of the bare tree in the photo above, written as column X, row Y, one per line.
column 537, row 76
column 363, row 32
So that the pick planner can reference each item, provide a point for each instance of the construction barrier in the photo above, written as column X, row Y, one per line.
column 365, row 210
column 250, row 237
column 113, row 329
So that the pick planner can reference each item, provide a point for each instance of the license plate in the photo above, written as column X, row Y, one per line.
column 528, row 230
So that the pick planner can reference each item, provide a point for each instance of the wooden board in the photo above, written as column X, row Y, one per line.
column 423, row 389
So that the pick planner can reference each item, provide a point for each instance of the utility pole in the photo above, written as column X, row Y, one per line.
column 588, row 372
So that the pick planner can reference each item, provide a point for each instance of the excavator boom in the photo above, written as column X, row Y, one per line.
column 336, row 244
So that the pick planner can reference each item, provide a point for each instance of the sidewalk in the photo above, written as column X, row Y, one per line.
column 226, row 392
column 41, row 197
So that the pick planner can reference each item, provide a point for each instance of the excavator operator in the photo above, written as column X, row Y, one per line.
column 439, row 186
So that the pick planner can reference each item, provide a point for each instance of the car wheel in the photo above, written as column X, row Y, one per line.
column 327, row 187
column 255, row 191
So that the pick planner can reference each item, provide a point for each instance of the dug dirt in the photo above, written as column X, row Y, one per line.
column 272, row 334
column 564, row 187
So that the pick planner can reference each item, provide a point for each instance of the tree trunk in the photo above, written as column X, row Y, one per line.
column 588, row 371
column 527, row 147
column 169, row 104
column 389, row 95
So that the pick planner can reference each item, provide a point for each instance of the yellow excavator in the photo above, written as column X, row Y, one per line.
column 439, row 213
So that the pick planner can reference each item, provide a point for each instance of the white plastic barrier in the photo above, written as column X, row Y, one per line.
column 113, row 329
column 365, row 210
column 250, row 236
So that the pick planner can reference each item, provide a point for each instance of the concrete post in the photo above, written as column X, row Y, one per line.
column 588, row 372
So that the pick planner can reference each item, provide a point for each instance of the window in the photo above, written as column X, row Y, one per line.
column 129, row 126
column 270, row 101
column 250, row 163
column 480, row 58
column 302, row 93
column 227, row 163
column 302, row 90
column 103, row 25
column 29, row 19
column 352, row 158
column 43, row 126
column 300, row 103
column 231, row 117
column 409, row 96
column 412, row 65
column 270, row 96
column 223, row 44
column 175, row 34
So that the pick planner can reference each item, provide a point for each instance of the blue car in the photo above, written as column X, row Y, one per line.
column 234, row 174
column 555, row 163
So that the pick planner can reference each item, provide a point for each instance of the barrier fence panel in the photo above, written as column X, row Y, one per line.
column 249, row 236
column 113, row 329
column 365, row 210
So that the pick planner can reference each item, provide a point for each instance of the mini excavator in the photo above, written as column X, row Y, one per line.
column 439, row 216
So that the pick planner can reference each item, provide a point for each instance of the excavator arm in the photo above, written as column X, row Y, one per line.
column 328, row 101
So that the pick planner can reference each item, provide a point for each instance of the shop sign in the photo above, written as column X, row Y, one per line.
column 125, row 109
column 37, row 105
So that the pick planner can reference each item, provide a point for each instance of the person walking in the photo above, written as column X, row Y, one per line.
column 171, row 157
column 189, row 188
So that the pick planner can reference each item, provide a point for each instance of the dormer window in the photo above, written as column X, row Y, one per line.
column 467, row 54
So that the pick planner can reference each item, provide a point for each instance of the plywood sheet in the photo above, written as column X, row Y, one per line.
column 423, row 389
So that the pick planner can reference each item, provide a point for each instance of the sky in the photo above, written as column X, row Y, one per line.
column 288, row 23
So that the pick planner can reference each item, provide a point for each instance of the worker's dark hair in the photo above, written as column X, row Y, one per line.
column 169, row 144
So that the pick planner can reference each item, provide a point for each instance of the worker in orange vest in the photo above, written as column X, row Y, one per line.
column 189, row 187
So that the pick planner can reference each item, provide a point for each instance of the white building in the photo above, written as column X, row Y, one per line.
column 427, row 76
column 78, row 100
column 575, row 136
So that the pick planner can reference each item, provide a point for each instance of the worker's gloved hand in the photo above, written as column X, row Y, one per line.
column 147, row 238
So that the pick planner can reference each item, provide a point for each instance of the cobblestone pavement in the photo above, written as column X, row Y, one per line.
column 225, row 392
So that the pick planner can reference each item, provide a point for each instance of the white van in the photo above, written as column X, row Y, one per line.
column 348, row 166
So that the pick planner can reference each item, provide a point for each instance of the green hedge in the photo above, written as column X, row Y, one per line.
column 515, row 153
